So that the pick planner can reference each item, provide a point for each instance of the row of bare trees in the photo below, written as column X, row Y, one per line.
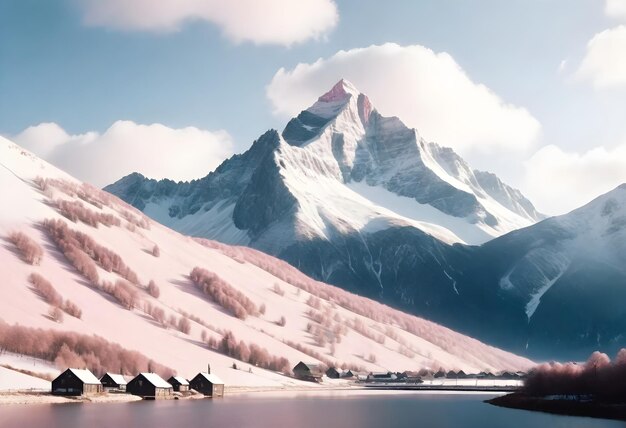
column 76, row 211
column 228, row 297
column 70, row 349
column 47, row 292
column 248, row 353
column 598, row 376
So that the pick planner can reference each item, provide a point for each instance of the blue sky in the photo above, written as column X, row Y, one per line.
column 56, row 67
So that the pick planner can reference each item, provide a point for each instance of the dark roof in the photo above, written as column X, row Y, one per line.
column 311, row 367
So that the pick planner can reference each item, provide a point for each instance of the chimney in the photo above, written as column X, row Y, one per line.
column 208, row 368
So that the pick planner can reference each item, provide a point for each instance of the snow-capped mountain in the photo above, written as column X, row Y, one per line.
column 338, row 169
column 77, row 261
column 339, row 166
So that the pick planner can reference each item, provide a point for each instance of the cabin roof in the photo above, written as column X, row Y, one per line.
column 156, row 380
column 117, row 378
column 181, row 380
column 85, row 376
column 214, row 379
column 311, row 366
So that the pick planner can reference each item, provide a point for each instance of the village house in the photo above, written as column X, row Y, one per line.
column 347, row 374
column 308, row 371
column 112, row 382
column 179, row 383
column 149, row 386
column 76, row 382
column 452, row 375
column 411, row 377
column 382, row 377
column 207, row 384
column 333, row 373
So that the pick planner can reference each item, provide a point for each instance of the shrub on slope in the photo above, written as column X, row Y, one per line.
column 30, row 250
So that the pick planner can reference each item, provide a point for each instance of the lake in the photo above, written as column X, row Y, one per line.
column 305, row 411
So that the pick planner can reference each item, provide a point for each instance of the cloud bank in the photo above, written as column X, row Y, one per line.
column 427, row 90
column 156, row 151
column 282, row 22
column 559, row 181
column 604, row 63
column 615, row 9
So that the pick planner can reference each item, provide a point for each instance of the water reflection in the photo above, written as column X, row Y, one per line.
column 274, row 411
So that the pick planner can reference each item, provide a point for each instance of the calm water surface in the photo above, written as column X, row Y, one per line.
column 387, row 411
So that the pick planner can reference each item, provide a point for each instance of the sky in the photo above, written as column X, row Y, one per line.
column 533, row 90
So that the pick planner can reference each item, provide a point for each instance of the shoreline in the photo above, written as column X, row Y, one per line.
column 9, row 398
column 45, row 397
column 592, row 409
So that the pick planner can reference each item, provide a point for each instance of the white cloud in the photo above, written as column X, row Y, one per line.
column 558, row 181
column 282, row 22
column 427, row 90
column 156, row 151
column 604, row 64
column 615, row 9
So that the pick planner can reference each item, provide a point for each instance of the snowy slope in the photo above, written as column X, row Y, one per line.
column 397, row 341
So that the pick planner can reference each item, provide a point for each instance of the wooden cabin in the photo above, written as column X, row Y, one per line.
column 207, row 384
column 333, row 373
column 179, row 383
column 74, row 382
column 113, row 381
column 149, row 386
column 308, row 371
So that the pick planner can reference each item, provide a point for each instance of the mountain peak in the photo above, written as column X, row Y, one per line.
column 342, row 90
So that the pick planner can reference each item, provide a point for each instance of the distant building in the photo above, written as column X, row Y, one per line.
column 508, row 375
column 439, row 374
column 207, row 384
column 308, row 371
column 76, row 382
column 348, row 374
column 452, row 375
column 333, row 373
column 412, row 377
column 112, row 381
column 179, row 383
column 461, row 375
column 149, row 386
column 382, row 377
